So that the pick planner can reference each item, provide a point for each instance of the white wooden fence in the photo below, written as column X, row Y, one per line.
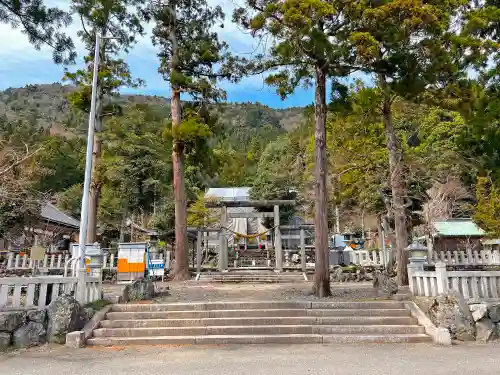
column 23, row 262
column 466, row 257
column 366, row 257
column 31, row 292
column 57, row 261
column 470, row 284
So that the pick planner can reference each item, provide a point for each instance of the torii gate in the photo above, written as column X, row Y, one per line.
column 223, row 205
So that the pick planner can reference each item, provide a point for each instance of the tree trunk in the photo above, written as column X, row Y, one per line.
column 181, row 267
column 94, row 193
column 181, row 270
column 397, row 188
column 322, row 267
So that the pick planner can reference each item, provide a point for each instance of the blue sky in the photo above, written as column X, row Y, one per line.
column 21, row 64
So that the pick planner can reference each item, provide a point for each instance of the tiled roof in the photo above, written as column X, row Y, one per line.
column 457, row 228
column 230, row 193
column 53, row 214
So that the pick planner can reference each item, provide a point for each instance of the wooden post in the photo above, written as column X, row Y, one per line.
column 302, row 250
column 198, row 251
column 221, row 251
column 167, row 259
column 277, row 240
column 223, row 241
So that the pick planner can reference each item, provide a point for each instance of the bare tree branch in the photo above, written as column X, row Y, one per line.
column 20, row 161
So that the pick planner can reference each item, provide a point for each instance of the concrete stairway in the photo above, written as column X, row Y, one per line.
column 280, row 322
column 252, row 276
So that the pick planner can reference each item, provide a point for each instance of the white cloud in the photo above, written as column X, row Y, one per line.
column 21, row 64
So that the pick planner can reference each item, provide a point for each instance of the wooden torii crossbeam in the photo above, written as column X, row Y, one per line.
column 252, row 203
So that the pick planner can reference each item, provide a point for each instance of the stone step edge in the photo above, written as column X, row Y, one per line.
column 306, row 311
column 346, row 326
column 303, row 304
column 312, row 320
column 259, row 339
column 277, row 327
column 235, row 318
column 270, row 276
column 254, row 280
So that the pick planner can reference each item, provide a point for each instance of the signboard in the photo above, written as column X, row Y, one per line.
column 131, row 262
column 156, row 268
column 37, row 253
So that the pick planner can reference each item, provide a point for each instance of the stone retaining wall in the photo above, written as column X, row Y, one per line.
column 466, row 321
column 27, row 328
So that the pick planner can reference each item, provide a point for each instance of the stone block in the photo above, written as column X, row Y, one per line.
column 5, row 341
column 28, row 335
column 450, row 311
column 385, row 285
column 494, row 313
column 11, row 320
column 38, row 316
column 139, row 290
column 75, row 339
column 64, row 315
column 442, row 337
column 485, row 330
column 479, row 311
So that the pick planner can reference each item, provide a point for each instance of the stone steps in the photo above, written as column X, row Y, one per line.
column 258, row 339
column 142, row 321
column 257, row 330
column 252, row 280
column 252, row 277
column 258, row 322
column 257, row 305
column 254, row 313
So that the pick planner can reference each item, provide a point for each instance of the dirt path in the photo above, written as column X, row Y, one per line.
column 191, row 291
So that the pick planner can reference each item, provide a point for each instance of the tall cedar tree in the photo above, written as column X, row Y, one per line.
column 190, row 60
column 408, row 47
column 111, row 19
column 41, row 24
column 305, row 51
column 482, row 20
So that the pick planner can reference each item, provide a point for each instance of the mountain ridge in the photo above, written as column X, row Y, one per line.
column 47, row 105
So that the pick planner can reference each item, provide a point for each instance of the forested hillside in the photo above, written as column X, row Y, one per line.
column 48, row 106
column 136, row 171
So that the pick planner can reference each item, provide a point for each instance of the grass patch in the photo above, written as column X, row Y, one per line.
column 99, row 304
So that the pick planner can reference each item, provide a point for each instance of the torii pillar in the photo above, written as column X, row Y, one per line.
column 278, row 250
column 223, row 258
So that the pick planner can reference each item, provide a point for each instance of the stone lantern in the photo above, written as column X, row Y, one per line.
column 417, row 254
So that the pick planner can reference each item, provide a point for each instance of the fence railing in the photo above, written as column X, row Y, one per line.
column 38, row 292
column 23, row 262
column 57, row 261
column 466, row 257
column 470, row 284
column 365, row 257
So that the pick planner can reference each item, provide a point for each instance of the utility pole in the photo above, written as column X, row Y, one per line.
column 80, row 292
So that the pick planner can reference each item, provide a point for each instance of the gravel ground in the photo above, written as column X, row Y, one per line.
column 380, row 359
column 191, row 291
